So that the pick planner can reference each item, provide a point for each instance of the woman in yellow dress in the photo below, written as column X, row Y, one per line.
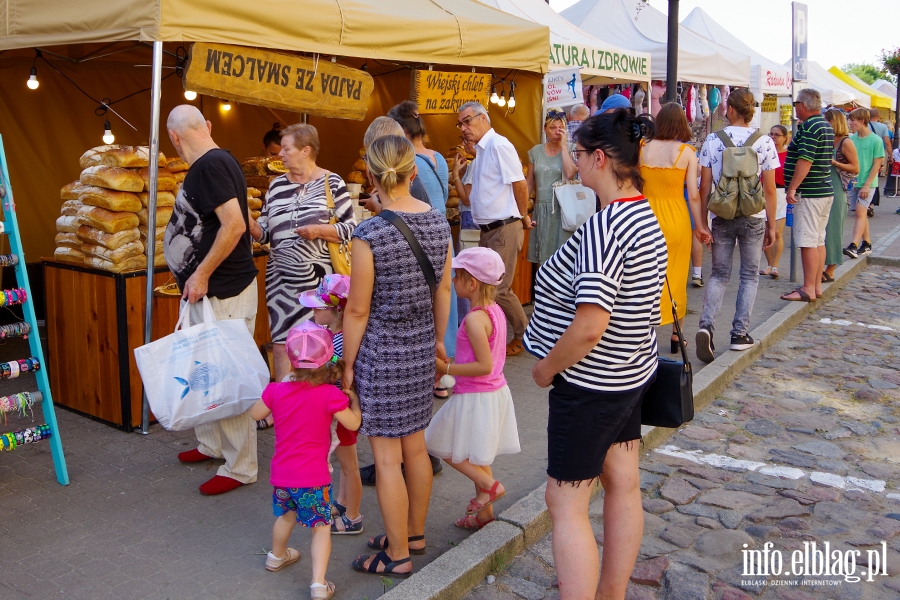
column 668, row 164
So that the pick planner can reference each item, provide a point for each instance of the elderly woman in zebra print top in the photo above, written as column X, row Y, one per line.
column 294, row 222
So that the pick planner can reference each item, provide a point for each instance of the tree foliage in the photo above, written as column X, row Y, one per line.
column 866, row 71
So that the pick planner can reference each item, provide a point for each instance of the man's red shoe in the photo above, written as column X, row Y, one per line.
column 193, row 456
column 219, row 485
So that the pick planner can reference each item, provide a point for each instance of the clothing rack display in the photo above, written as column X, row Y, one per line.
column 23, row 402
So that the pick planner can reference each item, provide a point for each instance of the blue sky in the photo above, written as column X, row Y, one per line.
column 765, row 26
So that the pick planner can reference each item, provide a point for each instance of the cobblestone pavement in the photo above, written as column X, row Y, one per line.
column 801, row 449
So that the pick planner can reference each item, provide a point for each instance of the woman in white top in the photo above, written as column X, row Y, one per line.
column 593, row 327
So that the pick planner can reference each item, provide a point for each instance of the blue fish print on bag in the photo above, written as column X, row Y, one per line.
column 202, row 378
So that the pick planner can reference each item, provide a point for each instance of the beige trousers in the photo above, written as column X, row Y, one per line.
column 507, row 242
column 234, row 438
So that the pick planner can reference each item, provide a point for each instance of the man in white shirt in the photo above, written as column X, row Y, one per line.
column 752, row 233
column 499, row 201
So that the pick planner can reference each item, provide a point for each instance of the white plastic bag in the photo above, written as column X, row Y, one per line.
column 202, row 373
column 576, row 204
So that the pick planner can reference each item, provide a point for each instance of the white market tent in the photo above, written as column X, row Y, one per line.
column 766, row 76
column 832, row 89
column 886, row 87
column 600, row 61
column 641, row 27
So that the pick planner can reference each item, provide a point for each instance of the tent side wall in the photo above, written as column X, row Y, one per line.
column 46, row 130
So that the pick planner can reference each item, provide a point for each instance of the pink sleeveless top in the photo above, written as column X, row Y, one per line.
column 464, row 354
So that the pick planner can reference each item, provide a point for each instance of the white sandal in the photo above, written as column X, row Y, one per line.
column 317, row 591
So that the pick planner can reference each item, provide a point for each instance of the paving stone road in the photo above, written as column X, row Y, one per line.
column 800, row 449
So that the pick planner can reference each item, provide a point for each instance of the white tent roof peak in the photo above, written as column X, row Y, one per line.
column 570, row 46
column 639, row 26
column 766, row 76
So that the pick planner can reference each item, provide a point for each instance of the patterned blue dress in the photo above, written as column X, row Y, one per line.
column 394, row 369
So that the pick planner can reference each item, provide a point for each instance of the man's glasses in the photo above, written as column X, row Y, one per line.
column 465, row 122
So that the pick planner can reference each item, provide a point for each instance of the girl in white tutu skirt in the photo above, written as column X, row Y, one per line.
column 478, row 422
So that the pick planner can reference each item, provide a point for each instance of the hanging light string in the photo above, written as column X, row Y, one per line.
column 9, row 441
column 106, row 103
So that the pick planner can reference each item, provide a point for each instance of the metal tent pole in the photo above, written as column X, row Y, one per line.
column 672, row 53
column 155, row 95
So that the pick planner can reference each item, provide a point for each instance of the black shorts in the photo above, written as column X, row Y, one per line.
column 583, row 425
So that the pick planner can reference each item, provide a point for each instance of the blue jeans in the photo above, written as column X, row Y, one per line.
column 749, row 233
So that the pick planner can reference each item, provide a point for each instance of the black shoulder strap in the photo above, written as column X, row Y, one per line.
column 434, row 170
column 425, row 264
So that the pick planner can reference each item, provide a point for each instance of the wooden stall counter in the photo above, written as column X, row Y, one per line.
column 95, row 320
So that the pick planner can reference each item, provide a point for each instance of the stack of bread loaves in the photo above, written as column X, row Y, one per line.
column 102, row 227
column 358, row 174
column 255, row 204
column 259, row 172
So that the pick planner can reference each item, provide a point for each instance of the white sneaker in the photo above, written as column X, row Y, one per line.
column 317, row 591
column 273, row 563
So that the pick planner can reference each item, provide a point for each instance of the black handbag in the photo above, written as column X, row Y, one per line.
column 669, row 401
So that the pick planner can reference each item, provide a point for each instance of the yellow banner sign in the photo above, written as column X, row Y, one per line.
column 438, row 92
column 278, row 80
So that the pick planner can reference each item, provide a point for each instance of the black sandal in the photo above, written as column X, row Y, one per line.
column 826, row 278
column 376, row 543
column 381, row 559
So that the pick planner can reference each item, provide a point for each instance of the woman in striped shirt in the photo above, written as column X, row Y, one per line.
column 596, row 305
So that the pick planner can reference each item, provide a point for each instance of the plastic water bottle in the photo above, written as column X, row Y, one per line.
column 789, row 219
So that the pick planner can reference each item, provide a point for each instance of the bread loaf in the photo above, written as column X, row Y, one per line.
column 362, row 152
column 255, row 214
column 163, row 214
column 253, row 192
column 92, row 156
column 356, row 177
column 176, row 165
column 110, row 199
column 129, row 264
column 360, row 165
column 70, row 191
column 179, row 176
column 129, row 156
column 162, row 199
column 70, row 208
column 118, row 255
column 67, row 254
column 113, row 241
column 254, row 203
column 68, row 224
column 159, row 260
column 106, row 220
column 453, row 202
column 113, row 178
column 68, row 240
column 165, row 182
column 160, row 233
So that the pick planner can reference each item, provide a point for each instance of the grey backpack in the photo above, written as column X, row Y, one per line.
column 739, row 192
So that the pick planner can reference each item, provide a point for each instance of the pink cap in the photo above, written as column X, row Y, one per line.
column 331, row 292
column 484, row 264
column 309, row 346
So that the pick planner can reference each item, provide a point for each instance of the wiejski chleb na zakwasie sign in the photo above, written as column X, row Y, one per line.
column 277, row 80
column 444, row 92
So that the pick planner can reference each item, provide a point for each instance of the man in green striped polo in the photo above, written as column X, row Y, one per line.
column 807, row 174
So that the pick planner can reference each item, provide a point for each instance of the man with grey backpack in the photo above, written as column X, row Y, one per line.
column 737, row 184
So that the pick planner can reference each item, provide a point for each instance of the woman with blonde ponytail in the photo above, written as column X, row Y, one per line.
column 394, row 327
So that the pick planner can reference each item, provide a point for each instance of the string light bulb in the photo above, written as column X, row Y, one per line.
column 502, row 101
column 33, row 82
column 494, row 97
column 189, row 95
column 512, row 95
column 108, row 137
column 226, row 105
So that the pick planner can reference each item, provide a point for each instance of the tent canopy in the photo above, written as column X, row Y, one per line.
column 886, row 87
column 833, row 90
column 600, row 61
column 639, row 26
column 877, row 99
column 457, row 32
column 766, row 76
